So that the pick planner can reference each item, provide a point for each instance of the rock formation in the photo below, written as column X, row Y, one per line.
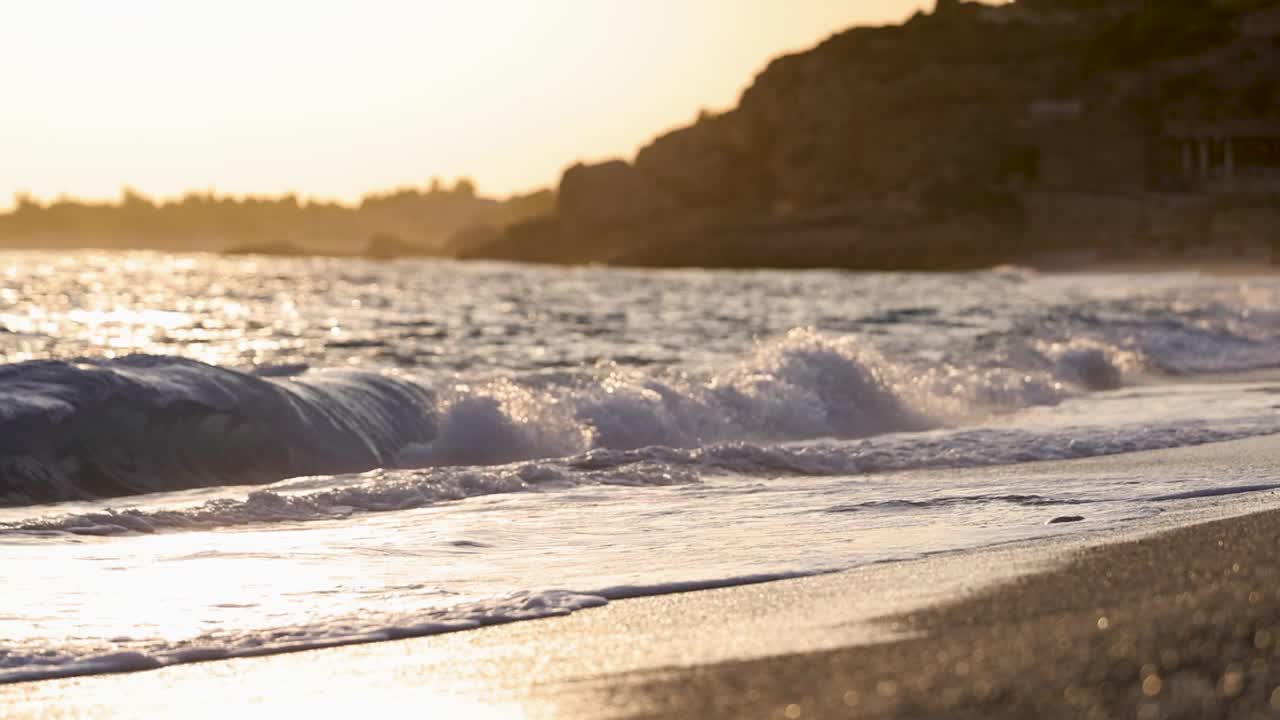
column 929, row 144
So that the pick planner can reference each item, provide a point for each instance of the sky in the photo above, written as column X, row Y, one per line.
column 332, row 99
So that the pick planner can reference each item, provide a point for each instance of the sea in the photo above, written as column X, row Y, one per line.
column 207, row 457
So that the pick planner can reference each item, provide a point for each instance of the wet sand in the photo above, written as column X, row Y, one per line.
column 1165, row 620
column 1185, row 624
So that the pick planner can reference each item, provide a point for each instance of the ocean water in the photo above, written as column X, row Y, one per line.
column 204, row 457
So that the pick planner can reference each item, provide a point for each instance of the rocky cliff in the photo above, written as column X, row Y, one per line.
column 922, row 145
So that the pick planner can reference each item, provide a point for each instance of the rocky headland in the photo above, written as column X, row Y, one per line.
column 971, row 135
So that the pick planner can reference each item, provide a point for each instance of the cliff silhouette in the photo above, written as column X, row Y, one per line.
column 967, row 136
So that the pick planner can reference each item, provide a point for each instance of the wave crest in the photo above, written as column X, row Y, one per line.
column 112, row 427
column 102, row 428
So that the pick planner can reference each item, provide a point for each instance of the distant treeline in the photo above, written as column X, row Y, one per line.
column 435, row 220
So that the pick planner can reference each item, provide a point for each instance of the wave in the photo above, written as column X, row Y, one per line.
column 19, row 664
column 137, row 424
column 386, row 490
column 87, row 429
column 128, row 655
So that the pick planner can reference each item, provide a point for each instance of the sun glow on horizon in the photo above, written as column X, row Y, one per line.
column 333, row 100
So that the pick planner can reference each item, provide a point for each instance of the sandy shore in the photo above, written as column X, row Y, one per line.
column 1162, row 620
column 1185, row 625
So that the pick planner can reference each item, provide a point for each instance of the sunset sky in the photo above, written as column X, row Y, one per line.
column 333, row 99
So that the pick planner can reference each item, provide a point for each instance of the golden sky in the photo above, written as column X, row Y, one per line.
column 335, row 98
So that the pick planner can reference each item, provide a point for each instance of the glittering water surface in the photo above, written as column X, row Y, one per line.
column 205, row 457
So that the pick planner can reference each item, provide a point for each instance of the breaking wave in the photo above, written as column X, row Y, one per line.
column 99, row 428
column 384, row 490
column 102, row 428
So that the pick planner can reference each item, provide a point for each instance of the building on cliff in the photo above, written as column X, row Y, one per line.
column 1224, row 157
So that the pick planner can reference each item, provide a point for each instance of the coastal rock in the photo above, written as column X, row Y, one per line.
column 1064, row 519
column 609, row 194
column 705, row 164
column 1051, row 126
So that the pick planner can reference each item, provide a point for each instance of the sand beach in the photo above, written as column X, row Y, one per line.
column 1175, row 617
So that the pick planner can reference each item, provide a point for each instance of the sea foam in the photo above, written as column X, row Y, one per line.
column 389, row 490
column 110, row 427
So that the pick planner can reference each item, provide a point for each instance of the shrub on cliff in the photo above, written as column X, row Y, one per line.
column 1160, row 31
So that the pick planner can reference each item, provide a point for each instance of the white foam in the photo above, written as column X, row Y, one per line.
column 127, row 654
column 389, row 490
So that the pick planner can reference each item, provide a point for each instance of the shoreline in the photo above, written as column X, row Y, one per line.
column 1066, row 263
column 1185, row 623
column 758, row 650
